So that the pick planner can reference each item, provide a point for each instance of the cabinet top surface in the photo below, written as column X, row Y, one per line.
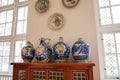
column 55, row 64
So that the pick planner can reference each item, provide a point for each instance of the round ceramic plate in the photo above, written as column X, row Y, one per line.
column 42, row 5
column 70, row 3
column 56, row 21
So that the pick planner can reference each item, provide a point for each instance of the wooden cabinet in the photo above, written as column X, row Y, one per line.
column 53, row 71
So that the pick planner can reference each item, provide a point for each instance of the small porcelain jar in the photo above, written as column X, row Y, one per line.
column 43, row 51
column 28, row 52
column 80, row 50
column 61, row 51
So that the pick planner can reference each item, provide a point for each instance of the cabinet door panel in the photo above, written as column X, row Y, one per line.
column 21, row 75
column 38, row 75
column 79, row 76
column 56, row 75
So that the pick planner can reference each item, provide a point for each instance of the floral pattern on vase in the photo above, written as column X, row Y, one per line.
column 80, row 50
column 43, row 51
column 61, row 51
column 28, row 52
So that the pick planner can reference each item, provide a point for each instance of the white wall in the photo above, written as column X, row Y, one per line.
column 79, row 23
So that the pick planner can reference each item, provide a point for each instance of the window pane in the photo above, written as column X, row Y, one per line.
column 20, row 27
column 5, row 64
column 114, row 2
column 116, row 14
column 18, row 47
column 4, row 56
column 9, row 16
column 109, row 12
column 26, row 12
column 10, row 1
column 6, row 49
column 111, row 65
column 111, row 42
column 6, row 2
column 22, row 13
column 5, row 30
column 103, row 3
column 6, row 19
column 1, row 48
column 117, row 36
column 0, row 63
column 22, row 20
column 3, row 17
column 118, row 47
column 2, row 28
column 8, row 29
column 25, row 26
column 119, row 61
column 109, row 45
column 105, row 16
column 18, row 59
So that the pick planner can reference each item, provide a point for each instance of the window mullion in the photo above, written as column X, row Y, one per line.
column 15, row 18
column 104, row 55
column 117, row 55
column 13, row 32
column 2, row 56
column 11, row 55
column 24, row 20
column 110, row 11
column 116, row 51
column 22, row 3
column 12, row 49
column 7, row 7
column 5, row 24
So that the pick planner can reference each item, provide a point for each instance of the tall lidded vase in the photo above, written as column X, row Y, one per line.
column 81, row 50
column 61, row 51
column 28, row 52
column 43, row 51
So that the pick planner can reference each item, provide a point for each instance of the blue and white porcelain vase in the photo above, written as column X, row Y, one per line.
column 80, row 50
column 28, row 52
column 43, row 51
column 61, row 51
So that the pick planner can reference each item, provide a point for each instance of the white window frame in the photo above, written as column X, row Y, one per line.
column 112, row 28
column 13, row 37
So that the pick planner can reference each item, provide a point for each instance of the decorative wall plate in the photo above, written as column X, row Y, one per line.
column 42, row 5
column 70, row 3
column 56, row 21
